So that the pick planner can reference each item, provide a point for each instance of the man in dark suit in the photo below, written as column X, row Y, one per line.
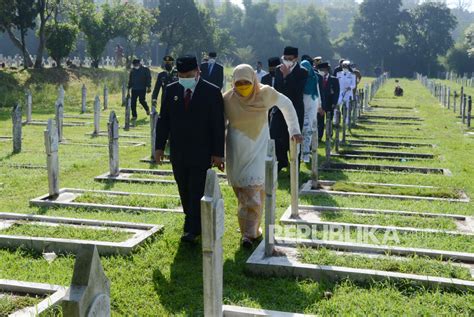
column 329, row 89
column 269, row 79
column 212, row 71
column 290, row 80
column 192, row 119
column 166, row 77
column 139, row 81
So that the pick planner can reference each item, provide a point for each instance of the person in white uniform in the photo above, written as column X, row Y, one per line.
column 347, row 84
column 246, row 107
column 260, row 72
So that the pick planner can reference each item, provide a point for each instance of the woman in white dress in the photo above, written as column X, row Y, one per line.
column 246, row 108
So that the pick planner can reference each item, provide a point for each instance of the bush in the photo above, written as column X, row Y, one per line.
column 60, row 40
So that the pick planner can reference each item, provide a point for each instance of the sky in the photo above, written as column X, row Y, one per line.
column 451, row 3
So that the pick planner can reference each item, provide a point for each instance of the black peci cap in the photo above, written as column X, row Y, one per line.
column 136, row 61
column 323, row 65
column 168, row 58
column 186, row 63
column 273, row 61
column 212, row 54
column 289, row 50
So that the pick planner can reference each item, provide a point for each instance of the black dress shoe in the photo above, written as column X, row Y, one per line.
column 247, row 243
column 189, row 237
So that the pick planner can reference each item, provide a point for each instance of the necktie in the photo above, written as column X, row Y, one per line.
column 187, row 99
column 211, row 66
column 325, row 82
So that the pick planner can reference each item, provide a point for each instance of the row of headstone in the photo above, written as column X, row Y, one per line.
column 444, row 96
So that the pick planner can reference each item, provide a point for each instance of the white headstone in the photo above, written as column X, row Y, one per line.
column 106, row 97
column 96, row 115
column 84, row 99
column 294, row 182
column 271, row 184
column 153, row 124
column 29, row 106
column 113, row 131
column 59, row 119
column 212, row 223
column 89, row 293
column 61, row 94
column 17, row 128
column 51, row 142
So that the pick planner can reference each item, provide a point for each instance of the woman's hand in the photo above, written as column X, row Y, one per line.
column 298, row 138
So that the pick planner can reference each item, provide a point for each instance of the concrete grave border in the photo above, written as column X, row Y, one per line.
column 122, row 144
column 130, row 136
column 387, row 117
column 141, row 232
column 307, row 189
column 54, row 295
column 387, row 153
column 66, row 197
column 383, row 136
column 288, row 265
column 391, row 143
column 466, row 228
column 383, row 168
column 65, row 124
column 380, row 158
column 389, row 123
column 25, row 166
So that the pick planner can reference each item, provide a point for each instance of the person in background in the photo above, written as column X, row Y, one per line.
column 312, row 104
column 140, row 83
column 118, row 55
column 358, row 77
column 260, row 72
column 166, row 77
column 246, row 106
column 212, row 71
column 192, row 119
column 269, row 79
column 290, row 80
column 339, row 67
column 316, row 61
column 347, row 84
column 329, row 94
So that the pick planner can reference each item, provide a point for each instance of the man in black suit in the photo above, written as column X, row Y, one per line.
column 192, row 119
column 290, row 80
column 329, row 89
column 212, row 71
column 269, row 79
column 166, row 77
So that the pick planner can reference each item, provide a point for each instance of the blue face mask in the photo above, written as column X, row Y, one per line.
column 187, row 83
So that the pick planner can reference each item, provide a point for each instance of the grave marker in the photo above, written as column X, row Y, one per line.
column 84, row 99
column 271, row 185
column 469, row 108
column 29, row 105
column 59, row 117
column 17, row 128
column 113, row 130
column 124, row 94
column 61, row 94
column 106, row 97
column 51, row 142
column 127, row 114
column 153, row 124
column 89, row 293
column 294, row 171
column 96, row 116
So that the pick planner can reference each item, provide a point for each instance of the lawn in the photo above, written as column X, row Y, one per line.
column 164, row 277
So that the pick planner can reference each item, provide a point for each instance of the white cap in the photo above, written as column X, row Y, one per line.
column 346, row 62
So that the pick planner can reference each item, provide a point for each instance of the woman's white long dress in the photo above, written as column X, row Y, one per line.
column 245, row 157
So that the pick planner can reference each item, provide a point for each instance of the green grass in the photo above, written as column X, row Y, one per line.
column 412, row 265
column 66, row 232
column 164, row 278
column 10, row 303
column 392, row 220
column 132, row 200
column 405, row 191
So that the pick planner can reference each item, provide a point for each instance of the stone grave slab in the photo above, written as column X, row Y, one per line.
column 89, row 293
column 369, row 157
column 324, row 188
column 139, row 234
column 388, row 123
column 5, row 138
column 66, row 199
column 65, row 124
column 25, row 166
column 52, row 294
column 277, row 256
column 287, row 264
column 389, row 117
column 395, row 136
column 122, row 135
column 382, row 168
column 387, row 154
column 312, row 215
column 390, row 143
column 122, row 144
column 212, row 215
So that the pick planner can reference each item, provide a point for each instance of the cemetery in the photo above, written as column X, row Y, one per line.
column 109, row 205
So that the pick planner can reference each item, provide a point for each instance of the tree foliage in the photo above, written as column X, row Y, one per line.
column 60, row 40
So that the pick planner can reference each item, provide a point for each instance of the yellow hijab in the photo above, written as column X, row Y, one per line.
column 249, row 114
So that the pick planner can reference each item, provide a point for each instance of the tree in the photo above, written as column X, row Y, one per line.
column 307, row 29
column 182, row 27
column 469, row 40
column 245, row 54
column 18, row 15
column 60, row 40
column 376, row 29
column 98, row 28
column 45, row 9
column 458, row 60
column 133, row 23
column 259, row 30
column 427, row 35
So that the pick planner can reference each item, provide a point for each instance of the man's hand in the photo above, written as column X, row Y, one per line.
column 321, row 110
column 159, row 155
column 285, row 70
column 148, row 90
column 298, row 138
column 218, row 162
